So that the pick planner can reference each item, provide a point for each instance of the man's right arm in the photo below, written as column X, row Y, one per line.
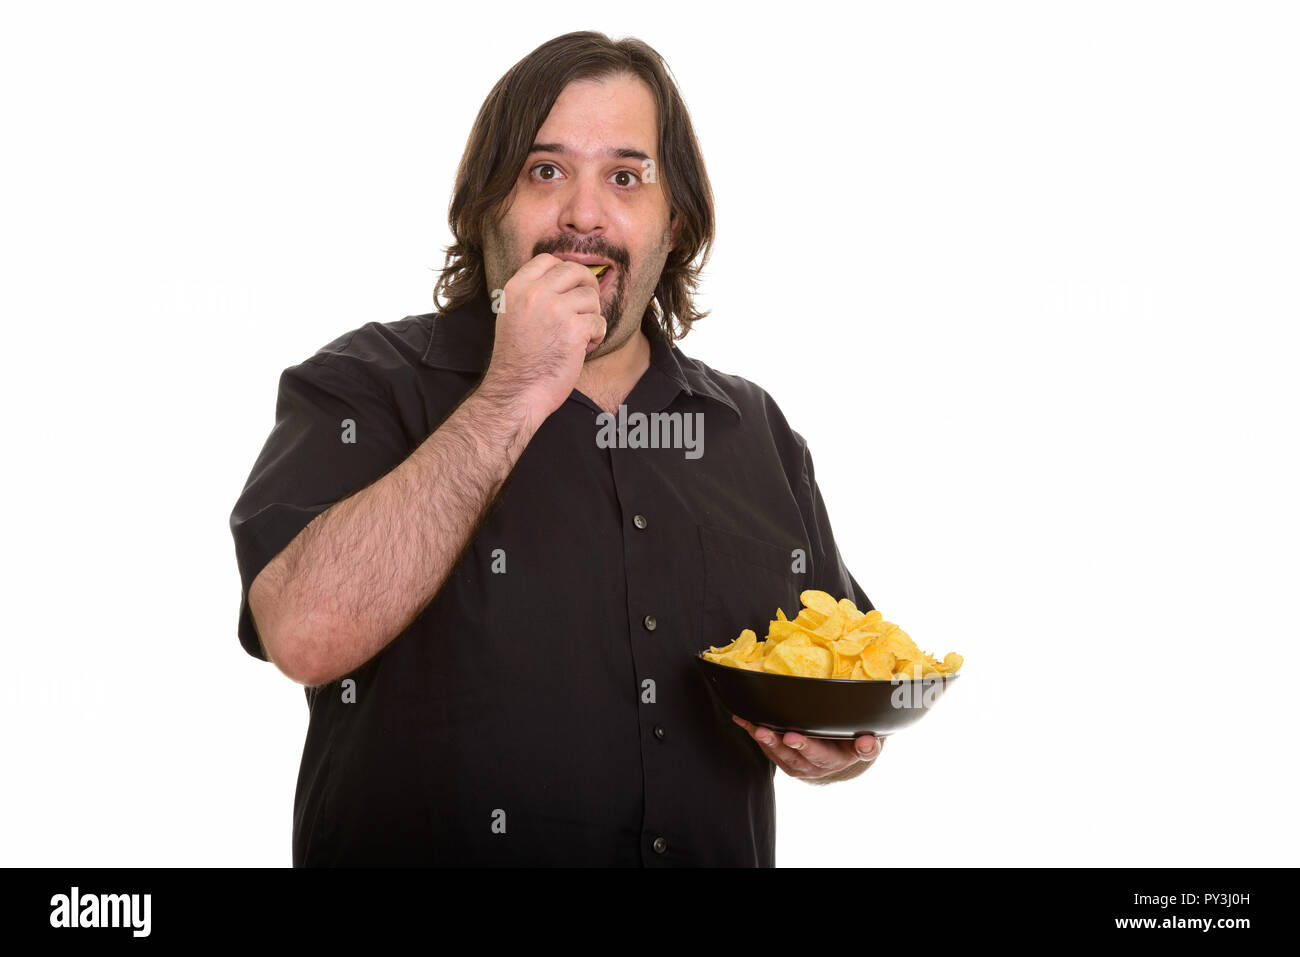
column 362, row 570
column 353, row 579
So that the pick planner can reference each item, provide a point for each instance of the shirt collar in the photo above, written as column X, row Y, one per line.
column 462, row 340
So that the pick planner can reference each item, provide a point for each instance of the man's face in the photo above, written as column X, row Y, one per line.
column 583, row 195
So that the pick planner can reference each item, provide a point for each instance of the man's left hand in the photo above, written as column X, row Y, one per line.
column 814, row 758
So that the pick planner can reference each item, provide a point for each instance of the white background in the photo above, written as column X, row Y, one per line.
column 1023, row 274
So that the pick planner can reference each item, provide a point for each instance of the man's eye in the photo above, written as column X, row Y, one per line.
column 545, row 171
column 625, row 177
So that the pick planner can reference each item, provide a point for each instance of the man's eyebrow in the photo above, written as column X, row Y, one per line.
column 620, row 152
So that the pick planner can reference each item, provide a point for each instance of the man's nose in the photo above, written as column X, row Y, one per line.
column 583, row 210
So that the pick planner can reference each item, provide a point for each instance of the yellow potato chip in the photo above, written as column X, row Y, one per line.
column 833, row 626
column 780, row 630
column 809, row 662
column 721, row 650
column 877, row 662
column 798, row 639
column 900, row 644
column 850, row 612
column 851, row 645
column 822, row 641
column 871, row 621
column 909, row 669
column 819, row 601
column 844, row 664
column 809, row 618
column 745, row 640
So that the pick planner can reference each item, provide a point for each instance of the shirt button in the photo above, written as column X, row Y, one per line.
column 660, row 845
column 639, row 521
column 650, row 623
column 659, row 731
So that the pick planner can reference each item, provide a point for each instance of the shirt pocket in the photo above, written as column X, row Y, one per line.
column 745, row 580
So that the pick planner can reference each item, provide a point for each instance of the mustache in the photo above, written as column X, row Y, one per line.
column 594, row 246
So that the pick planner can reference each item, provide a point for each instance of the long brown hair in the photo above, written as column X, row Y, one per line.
column 504, row 133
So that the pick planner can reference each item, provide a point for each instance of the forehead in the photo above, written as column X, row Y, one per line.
column 593, row 115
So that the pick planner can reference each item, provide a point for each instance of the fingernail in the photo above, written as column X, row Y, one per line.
column 798, row 745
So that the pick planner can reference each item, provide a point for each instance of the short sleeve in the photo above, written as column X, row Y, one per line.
column 829, row 573
column 334, row 434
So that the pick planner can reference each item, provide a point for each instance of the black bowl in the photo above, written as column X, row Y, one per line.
column 823, row 707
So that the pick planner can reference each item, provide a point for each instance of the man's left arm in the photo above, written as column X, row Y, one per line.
column 817, row 760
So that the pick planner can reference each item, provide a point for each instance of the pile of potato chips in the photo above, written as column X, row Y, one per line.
column 831, row 639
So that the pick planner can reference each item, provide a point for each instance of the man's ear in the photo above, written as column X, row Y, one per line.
column 676, row 222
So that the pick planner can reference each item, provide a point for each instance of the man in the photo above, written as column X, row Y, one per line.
column 494, row 595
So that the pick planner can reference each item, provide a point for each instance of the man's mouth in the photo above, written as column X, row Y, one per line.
column 600, row 270
column 603, row 271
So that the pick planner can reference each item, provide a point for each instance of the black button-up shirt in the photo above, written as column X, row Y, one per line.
column 545, row 708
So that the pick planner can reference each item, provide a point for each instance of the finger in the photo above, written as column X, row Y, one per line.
column 868, row 747
column 596, row 328
column 787, row 758
column 565, row 275
column 790, row 760
column 749, row 726
column 827, row 755
column 537, row 267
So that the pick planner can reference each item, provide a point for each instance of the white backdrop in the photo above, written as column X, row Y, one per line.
column 1023, row 274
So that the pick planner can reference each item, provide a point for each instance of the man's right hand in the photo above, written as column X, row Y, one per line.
column 550, row 322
